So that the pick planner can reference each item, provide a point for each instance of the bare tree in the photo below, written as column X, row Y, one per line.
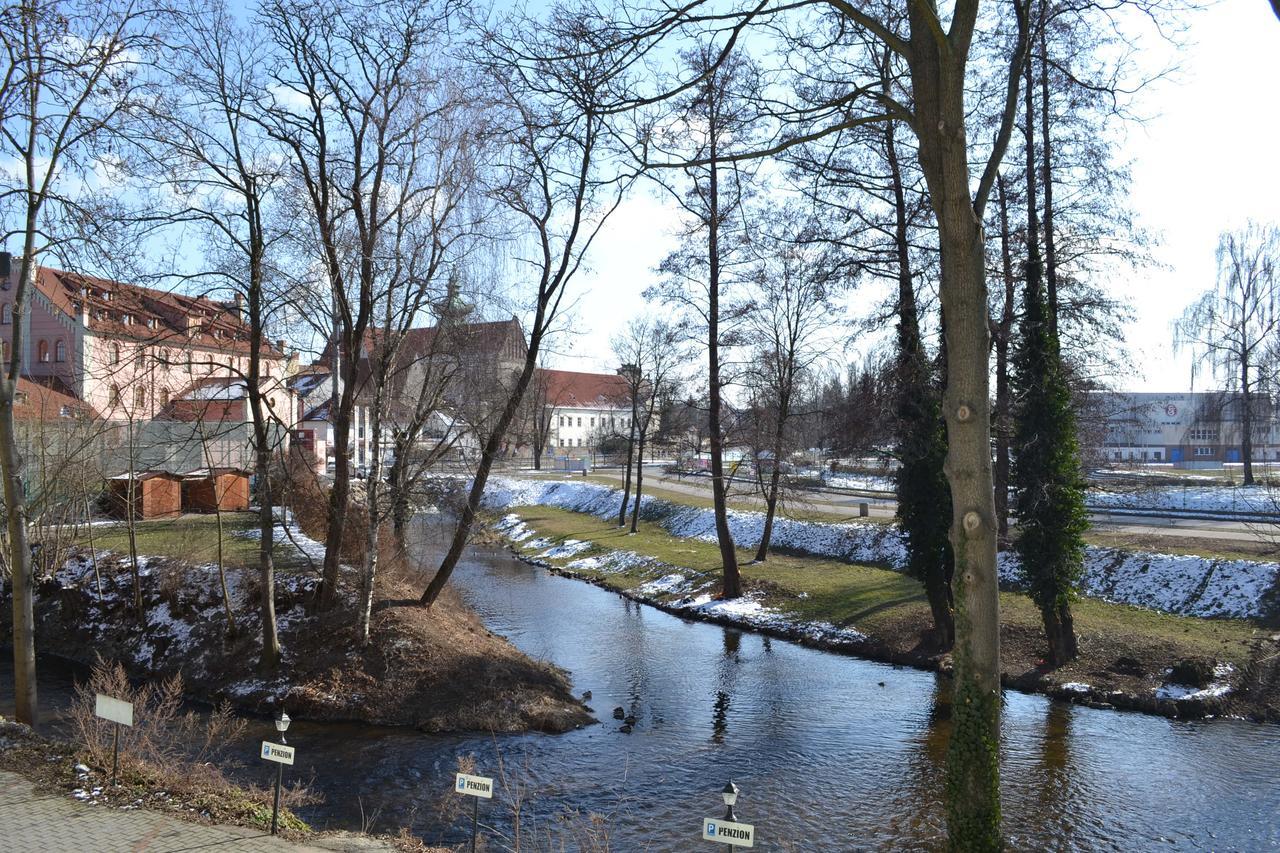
column 1231, row 329
column 554, row 136
column 210, row 154
column 699, row 277
column 344, row 87
column 790, row 311
column 649, row 352
column 73, row 72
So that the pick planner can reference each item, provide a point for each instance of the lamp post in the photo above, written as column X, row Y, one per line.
column 730, row 796
column 282, row 726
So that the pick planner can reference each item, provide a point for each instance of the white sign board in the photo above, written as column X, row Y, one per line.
column 475, row 786
column 727, row 832
column 115, row 710
column 277, row 752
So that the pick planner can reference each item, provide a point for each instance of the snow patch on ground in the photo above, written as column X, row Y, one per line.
column 1220, row 686
column 670, row 584
column 567, row 548
column 1180, row 584
column 292, row 536
column 1195, row 496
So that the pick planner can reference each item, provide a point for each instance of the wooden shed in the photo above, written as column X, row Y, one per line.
column 225, row 489
column 156, row 494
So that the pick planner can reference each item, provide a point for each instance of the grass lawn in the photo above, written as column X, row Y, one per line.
column 880, row 601
column 194, row 538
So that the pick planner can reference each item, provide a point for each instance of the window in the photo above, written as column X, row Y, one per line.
column 164, row 396
column 1157, row 455
column 60, row 350
column 139, row 397
column 166, row 356
column 6, row 351
column 579, row 424
column 115, row 353
column 1204, row 451
column 593, row 421
column 1203, row 434
column 115, row 395
column 562, row 442
column 42, row 351
column 6, row 314
column 141, row 358
column 579, row 440
column 562, row 420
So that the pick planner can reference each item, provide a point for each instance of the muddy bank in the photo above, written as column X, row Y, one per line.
column 437, row 670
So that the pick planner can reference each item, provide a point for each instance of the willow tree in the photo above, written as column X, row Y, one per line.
column 1231, row 328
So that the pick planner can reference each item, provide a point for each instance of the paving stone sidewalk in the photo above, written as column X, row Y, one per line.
column 50, row 823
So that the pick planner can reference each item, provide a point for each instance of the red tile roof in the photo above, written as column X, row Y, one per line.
column 571, row 388
column 158, row 316
column 40, row 402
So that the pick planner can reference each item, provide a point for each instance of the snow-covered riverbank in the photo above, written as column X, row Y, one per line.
column 1180, row 584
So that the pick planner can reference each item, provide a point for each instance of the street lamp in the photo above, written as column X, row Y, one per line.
column 730, row 796
column 282, row 726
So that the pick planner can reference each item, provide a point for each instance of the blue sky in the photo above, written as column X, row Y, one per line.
column 1205, row 161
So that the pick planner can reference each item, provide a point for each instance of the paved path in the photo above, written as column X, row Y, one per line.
column 846, row 506
column 52, row 823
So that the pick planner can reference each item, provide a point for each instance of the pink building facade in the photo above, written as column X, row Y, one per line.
column 129, row 351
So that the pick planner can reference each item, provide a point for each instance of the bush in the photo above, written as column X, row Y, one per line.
column 179, row 750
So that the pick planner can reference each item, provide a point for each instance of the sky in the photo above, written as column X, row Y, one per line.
column 1207, row 159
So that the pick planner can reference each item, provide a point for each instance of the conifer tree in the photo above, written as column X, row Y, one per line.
column 1048, row 484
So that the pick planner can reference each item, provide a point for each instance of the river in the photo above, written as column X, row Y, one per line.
column 830, row 753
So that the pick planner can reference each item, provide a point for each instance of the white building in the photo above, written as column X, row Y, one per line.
column 586, row 409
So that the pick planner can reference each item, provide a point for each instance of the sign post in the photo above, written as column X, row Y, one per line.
column 727, row 830
column 281, row 753
column 480, row 787
column 120, row 713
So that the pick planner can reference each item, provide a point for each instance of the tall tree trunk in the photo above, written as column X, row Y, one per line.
column 973, row 768
column 724, row 536
column 269, row 658
column 1246, row 421
column 921, row 491
column 635, row 506
column 775, row 480
column 369, row 574
column 21, row 577
column 340, row 492
column 626, row 474
column 1046, row 153
column 492, row 446
column 1002, row 338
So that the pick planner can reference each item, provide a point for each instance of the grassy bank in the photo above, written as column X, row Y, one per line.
column 1123, row 648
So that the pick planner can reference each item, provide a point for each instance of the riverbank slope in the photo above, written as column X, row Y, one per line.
column 437, row 670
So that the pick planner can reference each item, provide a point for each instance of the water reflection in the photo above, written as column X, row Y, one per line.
column 720, row 717
column 782, row 716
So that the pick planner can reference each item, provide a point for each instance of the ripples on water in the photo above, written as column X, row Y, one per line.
column 830, row 752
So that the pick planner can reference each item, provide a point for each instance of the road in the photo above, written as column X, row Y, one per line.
column 847, row 506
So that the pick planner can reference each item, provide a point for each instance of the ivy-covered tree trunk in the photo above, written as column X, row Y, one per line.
column 1048, row 484
column 924, row 498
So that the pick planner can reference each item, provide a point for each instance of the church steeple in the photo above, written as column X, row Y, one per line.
column 453, row 309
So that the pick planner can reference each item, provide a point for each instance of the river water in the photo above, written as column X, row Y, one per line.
column 831, row 753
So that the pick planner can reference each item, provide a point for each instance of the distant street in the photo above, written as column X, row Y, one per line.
column 846, row 506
